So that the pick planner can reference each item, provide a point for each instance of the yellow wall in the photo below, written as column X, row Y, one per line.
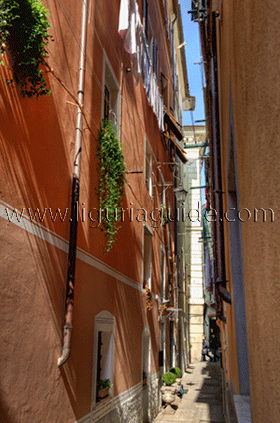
column 249, row 54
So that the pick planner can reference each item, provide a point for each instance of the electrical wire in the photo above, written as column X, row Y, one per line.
column 99, row 83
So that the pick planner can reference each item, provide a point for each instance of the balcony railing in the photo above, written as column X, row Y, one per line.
column 198, row 10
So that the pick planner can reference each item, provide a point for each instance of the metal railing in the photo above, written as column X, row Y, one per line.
column 198, row 10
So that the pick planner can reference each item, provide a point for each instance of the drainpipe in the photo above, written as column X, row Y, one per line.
column 69, row 302
column 220, row 286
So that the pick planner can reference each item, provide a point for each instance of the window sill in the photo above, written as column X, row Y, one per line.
column 104, row 405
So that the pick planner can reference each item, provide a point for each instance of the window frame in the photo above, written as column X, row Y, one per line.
column 148, row 177
column 147, row 232
column 103, row 322
column 162, row 272
column 110, row 81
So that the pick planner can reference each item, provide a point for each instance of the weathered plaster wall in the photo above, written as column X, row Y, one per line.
column 193, row 240
column 36, row 165
column 32, row 387
column 249, row 57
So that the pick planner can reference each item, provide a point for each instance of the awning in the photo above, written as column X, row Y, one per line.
column 173, row 125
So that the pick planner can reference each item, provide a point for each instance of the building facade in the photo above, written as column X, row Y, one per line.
column 61, row 290
column 240, row 52
column 195, row 141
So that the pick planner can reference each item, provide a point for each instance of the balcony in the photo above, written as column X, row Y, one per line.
column 198, row 10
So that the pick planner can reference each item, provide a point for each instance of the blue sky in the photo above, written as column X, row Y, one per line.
column 192, row 50
column 193, row 55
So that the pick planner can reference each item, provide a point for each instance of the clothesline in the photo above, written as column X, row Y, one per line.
column 132, row 32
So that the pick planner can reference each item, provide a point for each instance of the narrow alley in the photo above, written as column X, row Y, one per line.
column 202, row 400
column 139, row 211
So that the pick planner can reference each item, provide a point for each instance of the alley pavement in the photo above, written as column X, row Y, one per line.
column 202, row 401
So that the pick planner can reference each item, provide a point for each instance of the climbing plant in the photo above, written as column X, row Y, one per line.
column 24, row 31
column 111, row 180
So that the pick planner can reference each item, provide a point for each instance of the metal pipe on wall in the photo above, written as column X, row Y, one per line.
column 69, row 302
column 223, row 294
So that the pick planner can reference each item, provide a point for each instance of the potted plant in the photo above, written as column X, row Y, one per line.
column 103, row 387
column 149, row 300
column 177, row 372
column 162, row 311
column 168, row 391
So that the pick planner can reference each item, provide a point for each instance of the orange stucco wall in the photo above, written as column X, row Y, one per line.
column 36, row 165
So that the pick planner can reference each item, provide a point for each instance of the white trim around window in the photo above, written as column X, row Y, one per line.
column 104, row 322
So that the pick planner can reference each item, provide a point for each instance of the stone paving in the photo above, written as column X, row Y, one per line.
column 202, row 401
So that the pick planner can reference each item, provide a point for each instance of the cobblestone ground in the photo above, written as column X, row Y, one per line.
column 202, row 401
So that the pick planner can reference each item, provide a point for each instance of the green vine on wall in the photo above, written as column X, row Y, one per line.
column 111, row 182
column 24, row 30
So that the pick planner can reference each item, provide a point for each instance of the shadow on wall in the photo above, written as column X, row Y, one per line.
column 4, row 413
column 35, row 173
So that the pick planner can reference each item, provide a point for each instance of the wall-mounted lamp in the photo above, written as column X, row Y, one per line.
column 180, row 193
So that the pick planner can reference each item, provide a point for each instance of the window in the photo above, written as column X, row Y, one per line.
column 146, row 354
column 164, row 82
column 163, row 273
column 162, row 191
column 153, row 53
column 163, row 344
column 155, row 58
column 146, row 17
column 150, row 39
column 165, row 11
column 148, row 166
column 111, row 95
column 106, row 113
column 103, row 355
column 147, row 265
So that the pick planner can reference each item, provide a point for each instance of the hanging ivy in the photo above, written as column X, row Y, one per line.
column 111, row 182
column 24, row 30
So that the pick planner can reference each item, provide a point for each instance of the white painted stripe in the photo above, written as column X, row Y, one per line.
column 128, row 394
column 52, row 238
column 85, row 419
